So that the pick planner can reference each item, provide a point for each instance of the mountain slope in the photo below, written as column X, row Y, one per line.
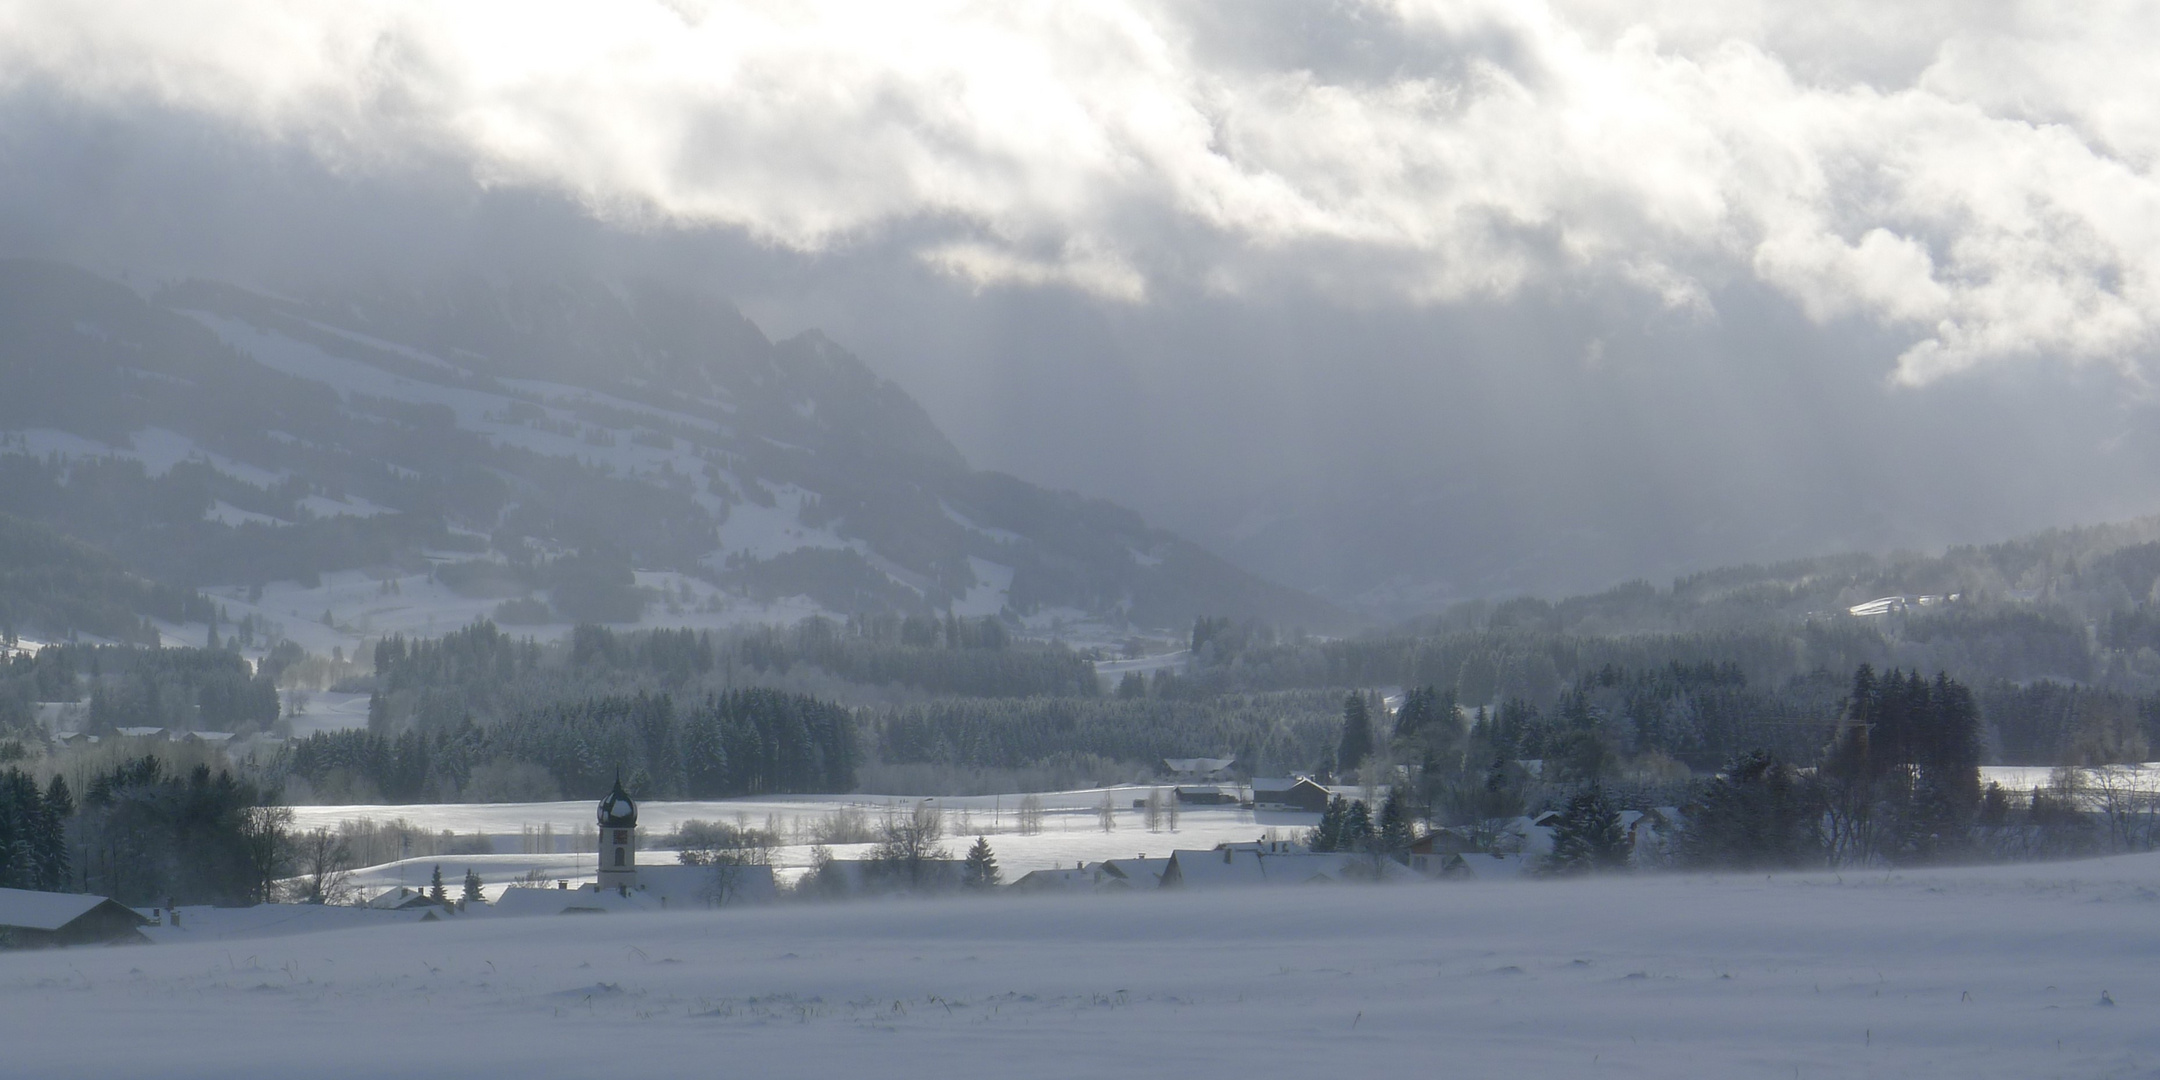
column 542, row 442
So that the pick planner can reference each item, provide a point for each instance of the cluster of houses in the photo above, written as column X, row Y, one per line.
column 174, row 735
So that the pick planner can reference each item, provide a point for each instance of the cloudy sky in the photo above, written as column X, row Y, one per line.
column 1400, row 301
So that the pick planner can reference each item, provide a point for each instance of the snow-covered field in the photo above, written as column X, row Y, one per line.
column 1995, row 971
column 1071, row 832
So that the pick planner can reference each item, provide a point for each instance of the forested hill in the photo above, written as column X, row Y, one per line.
column 51, row 582
column 534, row 443
column 2095, row 576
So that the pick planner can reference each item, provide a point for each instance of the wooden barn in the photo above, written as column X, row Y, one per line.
column 31, row 920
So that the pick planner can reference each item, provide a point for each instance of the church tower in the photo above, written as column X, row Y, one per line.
column 618, row 845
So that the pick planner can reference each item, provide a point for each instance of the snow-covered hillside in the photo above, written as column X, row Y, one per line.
column 407, row 461
column 2023, row 971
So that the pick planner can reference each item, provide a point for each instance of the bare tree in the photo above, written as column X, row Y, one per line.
column 1153, row 814
column 1106, row 813
column 324, row 861
column 729, row 850
column 1031, row 815
column 909, row 844
column 2124, row 796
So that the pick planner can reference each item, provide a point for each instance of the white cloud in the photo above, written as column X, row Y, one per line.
column 1978, row 177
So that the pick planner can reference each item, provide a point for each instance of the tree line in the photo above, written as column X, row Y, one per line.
column 740, row 742
column 144, row 834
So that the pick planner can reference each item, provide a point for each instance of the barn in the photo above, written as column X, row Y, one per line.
column 32, row 920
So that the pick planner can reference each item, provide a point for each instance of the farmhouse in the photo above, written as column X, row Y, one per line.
column 31, row 920
column 1298, row 793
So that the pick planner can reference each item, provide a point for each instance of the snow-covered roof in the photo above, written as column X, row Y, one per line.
column 1056, row 879
column 1199, row 764
column 1214, row 869
column 1132, row 873
column 29, row 910
column 530, row 900
column 705, row 886
column 658, row 888
column 1489, row 867
column 205, row 923
column 1233, row 865
column 398, row 897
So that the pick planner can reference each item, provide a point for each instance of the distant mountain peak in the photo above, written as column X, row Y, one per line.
column 614, row 451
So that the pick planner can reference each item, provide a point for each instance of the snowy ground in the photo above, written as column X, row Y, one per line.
column 1969, row 972
column 1072, row 831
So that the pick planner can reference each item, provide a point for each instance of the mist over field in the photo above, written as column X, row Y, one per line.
column 1516, row 535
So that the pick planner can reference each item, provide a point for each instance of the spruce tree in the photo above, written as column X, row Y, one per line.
column 1357, row 828
column 1588, row 836
column 1327, row 836
column 981, row 869
column 436, row 892
column 1756, row 814
column 472, row 890
column 58, row 799
column 49, row 841
column 1396, row 835
column 1357, row 735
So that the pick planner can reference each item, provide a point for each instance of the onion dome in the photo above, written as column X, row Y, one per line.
column 617, row 811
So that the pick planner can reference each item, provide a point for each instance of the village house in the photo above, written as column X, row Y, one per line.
column 401, row 898
column 1276, row 862
column 1056, row 879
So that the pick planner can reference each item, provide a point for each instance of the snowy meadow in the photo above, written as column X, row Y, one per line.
column 2024, row 971
column 1070, row 831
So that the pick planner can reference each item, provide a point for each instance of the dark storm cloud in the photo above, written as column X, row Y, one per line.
column 1406, row 299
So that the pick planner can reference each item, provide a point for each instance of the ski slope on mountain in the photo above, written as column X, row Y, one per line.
column 2016, row 971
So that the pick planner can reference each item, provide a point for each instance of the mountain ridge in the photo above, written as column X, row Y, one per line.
column 211, row 435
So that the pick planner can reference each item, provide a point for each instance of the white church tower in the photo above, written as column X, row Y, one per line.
column 618, row 841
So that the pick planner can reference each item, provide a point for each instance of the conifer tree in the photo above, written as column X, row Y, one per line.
column 473, row 894
column 1357, row 828
column 1587, row 836
column 1357, row 735
column 1396, row 835
column 1756, row 814
column 436, row 892
column 1327, row 836
column 981, row 869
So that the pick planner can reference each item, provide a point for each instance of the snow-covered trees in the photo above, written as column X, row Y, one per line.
column 1588, row 836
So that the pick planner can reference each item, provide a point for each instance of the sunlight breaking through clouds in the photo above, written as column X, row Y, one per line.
column 1981, row 183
